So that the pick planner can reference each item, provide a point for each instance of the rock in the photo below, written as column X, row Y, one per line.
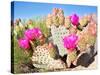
column 86, row 57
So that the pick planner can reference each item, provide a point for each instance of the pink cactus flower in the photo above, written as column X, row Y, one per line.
column 29, row 34
column 24, row 43
column 32, row 34
column 36, row 32
column 74, row 20
column 70, row 41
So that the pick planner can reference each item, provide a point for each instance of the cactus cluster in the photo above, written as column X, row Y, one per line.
column 88, row 36
column 83, row 22
column 84, row 27
column 55, row 18
column 69, row 34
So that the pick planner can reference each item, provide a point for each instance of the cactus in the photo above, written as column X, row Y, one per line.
column 16, row 28
column 42, row 59
column 57, row 35
column 53, row 51
column 67, row 22
column 73, row 29
column 42, row 39
column 49, row 20
column 87, row 36
column 70, row 43
column 71, row 57
column 60, row 11
column 61, row 19
column 92, row 40
column 91, row 31
column 55, row 20
column 21, row 26
column 83, row 22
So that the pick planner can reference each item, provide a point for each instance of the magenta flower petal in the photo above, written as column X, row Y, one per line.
column 24, row 43
column 33, row 33
column 74, row 20
column 37, row 32
column 70, row 41
column 29, row 34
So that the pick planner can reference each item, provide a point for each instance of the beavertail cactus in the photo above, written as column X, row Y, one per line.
column 73, row 30
column 82, row 43
column 70, row 43
column 24, row 43
column 49, row 20
column 16, row 29
column 53, row 51
column 67, row 22
column 19, row 23
column 91, row 33
column 89, row 38
column 30, row 24
column 61, row 17
column 42, row 59
column 60, row 11
column 72, row 56
column 77, row 34
column 83, row 22
column 42, row 39
column 55, row 20
column 58, row 34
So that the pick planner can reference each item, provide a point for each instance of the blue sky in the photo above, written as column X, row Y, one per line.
column 26, row 10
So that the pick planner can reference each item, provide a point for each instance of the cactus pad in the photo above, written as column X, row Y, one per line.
column 41, row 59
column 58, row 35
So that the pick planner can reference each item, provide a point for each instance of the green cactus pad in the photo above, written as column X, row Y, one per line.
column 72, row 56
column 57, row 35
column 41, row 59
